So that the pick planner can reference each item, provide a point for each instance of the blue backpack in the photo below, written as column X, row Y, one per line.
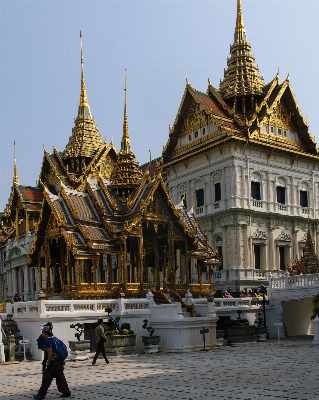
column 60, row 348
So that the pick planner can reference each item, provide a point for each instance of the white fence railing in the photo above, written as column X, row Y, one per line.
column 72, row 307
column 294, row 281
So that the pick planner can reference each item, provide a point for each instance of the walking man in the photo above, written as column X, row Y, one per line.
column 100, row 340
column 54, row 368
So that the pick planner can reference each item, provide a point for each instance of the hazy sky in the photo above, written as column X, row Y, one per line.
column 159, row 42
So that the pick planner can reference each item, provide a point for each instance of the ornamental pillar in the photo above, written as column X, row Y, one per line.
column 238, row 246
column 94, row 261
column 78, row 273
column 123, row 277
column 271, row 248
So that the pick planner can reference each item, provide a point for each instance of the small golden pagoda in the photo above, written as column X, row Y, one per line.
column 308, row 263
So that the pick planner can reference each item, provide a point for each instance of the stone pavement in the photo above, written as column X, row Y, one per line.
column 251, row 371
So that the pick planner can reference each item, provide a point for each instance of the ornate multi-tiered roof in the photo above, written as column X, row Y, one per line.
column 243, row 108
column 241, row 78
column 85, row 140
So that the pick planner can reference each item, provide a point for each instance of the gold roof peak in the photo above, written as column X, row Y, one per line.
column 84, row 108
column 126, row 172
column 125, row 143
column 15, row 169
column 240, row 31
column 241, row 78
column 85, row 139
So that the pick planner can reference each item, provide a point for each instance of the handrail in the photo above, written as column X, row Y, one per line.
column 4, row 327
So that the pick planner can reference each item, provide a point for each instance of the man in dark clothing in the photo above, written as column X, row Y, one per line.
column 100, row 340
column 41, row 346
column 54, row 368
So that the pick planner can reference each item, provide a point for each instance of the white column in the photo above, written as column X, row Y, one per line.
column 225, row 260
column 246, row 246
column 243, row 187
column 14, row 281
column 239, row 257
column 267, row 196
column 26, row 287
column 271, row 248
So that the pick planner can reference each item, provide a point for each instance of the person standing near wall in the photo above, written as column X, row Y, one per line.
column 100, row 340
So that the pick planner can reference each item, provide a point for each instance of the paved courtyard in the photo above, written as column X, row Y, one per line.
column 254, row 371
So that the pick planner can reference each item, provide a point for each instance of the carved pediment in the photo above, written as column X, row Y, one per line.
column 281, row 117
column 106, row 167
column 158, row 207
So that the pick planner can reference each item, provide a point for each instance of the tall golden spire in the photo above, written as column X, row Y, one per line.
column 84, row 108
column 126, row 172
column 85, row 139
column 125, row 143
column 15, row 169
column 241, row 78
column 240, row 31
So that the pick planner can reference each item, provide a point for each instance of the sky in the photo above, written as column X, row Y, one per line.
column 159, row 42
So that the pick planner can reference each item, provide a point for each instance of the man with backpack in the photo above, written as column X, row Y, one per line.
column 57, row 352
column 40, row 342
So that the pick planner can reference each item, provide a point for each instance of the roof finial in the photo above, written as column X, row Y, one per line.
column 84, row 108
column 125, row 144
column 240, row 31
column 15, row 169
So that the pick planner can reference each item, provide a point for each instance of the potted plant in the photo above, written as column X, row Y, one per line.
column 79, row 348
column 152, row 341
column 121, row 338
column 239, row 331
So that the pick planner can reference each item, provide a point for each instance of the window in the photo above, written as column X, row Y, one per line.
column 204, row 131
column 218, row 192
column 303, row 198
column 281, row 194
column 279, row 131
column 199, row 197
column 257, row 256
column 255, row 190
column 220, row 256
column 190, row 137
column 285, row 133
column 271, row 129
column 282, row 258
column 196, row 134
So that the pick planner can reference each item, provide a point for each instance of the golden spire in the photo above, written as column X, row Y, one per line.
column 85, row 140
column 15, row 169
column 84, row 108
column 125, row 144
column 126, row 172
column 240, row 31
column 241, row 78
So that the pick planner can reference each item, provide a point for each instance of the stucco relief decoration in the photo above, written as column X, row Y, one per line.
column 182, row 188
column 199, row 184
column 303, row 185
column 217, row 176
column 284, row 239
column 259, row 237
column 281, row 181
